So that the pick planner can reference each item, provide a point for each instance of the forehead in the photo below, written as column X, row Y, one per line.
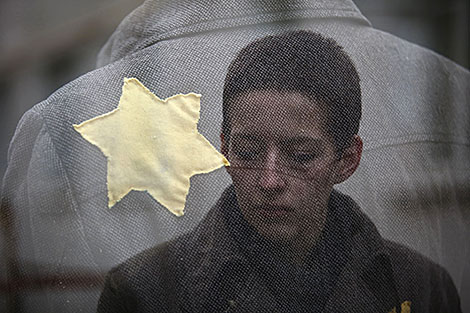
column 280, row 114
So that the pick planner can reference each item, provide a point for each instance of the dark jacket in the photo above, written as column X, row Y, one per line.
column 207, row 270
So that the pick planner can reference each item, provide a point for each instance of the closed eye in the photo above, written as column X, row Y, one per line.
column 302, row 157
column 246, row 155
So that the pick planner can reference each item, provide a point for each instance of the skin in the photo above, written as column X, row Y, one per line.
column 285, row 205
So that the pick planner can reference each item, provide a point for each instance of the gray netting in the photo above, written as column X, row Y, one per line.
column 413, row 181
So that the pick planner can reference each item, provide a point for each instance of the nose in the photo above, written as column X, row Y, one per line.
column 271, row 179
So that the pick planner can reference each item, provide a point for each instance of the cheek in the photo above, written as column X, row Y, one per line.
column 312, row 193
column 311, row 201
column 243, row 185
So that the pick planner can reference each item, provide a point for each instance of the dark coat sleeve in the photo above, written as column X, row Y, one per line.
column 425, row 283
column 444, row 293
column 144, row 283
column 114, row 295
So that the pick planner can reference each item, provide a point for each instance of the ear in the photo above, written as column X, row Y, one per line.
column 349, row 161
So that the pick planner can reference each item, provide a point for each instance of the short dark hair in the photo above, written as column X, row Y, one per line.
column 305, row 62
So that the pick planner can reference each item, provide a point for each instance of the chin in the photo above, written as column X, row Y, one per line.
column 281, row 234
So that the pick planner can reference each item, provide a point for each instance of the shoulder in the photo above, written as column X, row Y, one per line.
column 420, row 279
column 158, row 276
column 154, row 262
column 146, row 280
column 407, row 258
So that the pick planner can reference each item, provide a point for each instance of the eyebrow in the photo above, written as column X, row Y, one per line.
column 298, row 140
column 246, row 137
column 303, row 140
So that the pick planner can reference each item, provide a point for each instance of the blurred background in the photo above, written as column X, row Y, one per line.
column 46, row 43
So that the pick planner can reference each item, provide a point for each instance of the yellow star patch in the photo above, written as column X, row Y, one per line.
column 152, row 145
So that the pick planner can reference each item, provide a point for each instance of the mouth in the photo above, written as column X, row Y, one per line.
column 274, row 212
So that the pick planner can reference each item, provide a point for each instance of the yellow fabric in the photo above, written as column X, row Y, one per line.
column 405, row 308
column 152, row 145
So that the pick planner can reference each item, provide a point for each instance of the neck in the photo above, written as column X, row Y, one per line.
column 297, row 250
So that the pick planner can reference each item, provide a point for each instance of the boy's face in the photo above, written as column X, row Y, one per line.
column 283, row 163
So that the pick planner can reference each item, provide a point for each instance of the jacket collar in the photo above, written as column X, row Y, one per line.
column 213, row 252
column 155, row 21
column 366, row 283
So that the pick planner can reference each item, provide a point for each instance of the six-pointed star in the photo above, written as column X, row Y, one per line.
column 152, row 145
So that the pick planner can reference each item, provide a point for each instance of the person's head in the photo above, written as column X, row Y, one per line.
column 291, row 111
